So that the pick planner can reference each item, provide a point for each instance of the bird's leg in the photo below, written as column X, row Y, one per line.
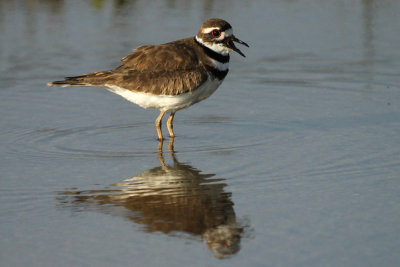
column 169, row 124
column 158, row 125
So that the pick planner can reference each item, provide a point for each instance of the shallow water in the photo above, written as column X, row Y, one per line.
column 294, row 161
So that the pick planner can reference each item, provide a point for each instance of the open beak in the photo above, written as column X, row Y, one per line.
column 230, row 44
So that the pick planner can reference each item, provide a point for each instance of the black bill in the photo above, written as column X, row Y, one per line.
column 230, row 43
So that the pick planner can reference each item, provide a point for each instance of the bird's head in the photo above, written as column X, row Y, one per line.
column 217, row 35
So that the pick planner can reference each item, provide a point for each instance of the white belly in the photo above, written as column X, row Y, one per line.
column 168, row 103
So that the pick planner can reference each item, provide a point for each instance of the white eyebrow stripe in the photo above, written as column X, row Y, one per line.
column 227, row 32
column 208, row 30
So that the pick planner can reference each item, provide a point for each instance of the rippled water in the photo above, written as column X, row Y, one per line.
column 294, row 161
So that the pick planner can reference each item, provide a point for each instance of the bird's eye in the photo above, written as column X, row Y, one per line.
column 216, row 33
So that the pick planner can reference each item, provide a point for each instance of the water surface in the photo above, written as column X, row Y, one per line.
column 294, row 161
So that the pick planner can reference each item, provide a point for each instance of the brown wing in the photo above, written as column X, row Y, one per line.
column 177, row 55
column 162, row 83
column 167, row 69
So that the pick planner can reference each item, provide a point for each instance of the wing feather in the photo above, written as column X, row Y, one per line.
column 163, row 83
column 171, row 56
column 168, row 69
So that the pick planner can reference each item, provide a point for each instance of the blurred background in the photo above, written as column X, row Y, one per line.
column 294, row 161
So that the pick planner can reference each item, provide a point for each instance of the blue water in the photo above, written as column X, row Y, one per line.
column 294, row 161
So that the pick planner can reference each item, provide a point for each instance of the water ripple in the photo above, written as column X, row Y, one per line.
column 120, row 141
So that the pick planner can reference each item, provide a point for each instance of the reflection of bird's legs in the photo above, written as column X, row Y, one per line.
column 169, row 124
column 161, row 156
column 171, row 145
column 158, row 125
column 160, row 146
column 172, row 154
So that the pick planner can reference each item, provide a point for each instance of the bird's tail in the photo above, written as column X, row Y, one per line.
column 90, row 79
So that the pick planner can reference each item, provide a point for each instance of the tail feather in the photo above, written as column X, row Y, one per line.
column 91, row 79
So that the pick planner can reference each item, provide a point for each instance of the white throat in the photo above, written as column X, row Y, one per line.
column 216, row 47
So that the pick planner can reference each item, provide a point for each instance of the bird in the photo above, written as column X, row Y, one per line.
column 170, row 76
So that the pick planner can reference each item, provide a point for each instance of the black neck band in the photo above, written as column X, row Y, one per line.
column 212, row 54
column 219, row 74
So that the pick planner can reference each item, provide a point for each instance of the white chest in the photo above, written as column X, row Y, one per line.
column 168, row 103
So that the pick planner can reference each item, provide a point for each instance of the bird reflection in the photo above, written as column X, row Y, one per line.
column 171, row 199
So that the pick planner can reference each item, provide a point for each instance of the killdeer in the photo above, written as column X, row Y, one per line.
column 170, row 76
